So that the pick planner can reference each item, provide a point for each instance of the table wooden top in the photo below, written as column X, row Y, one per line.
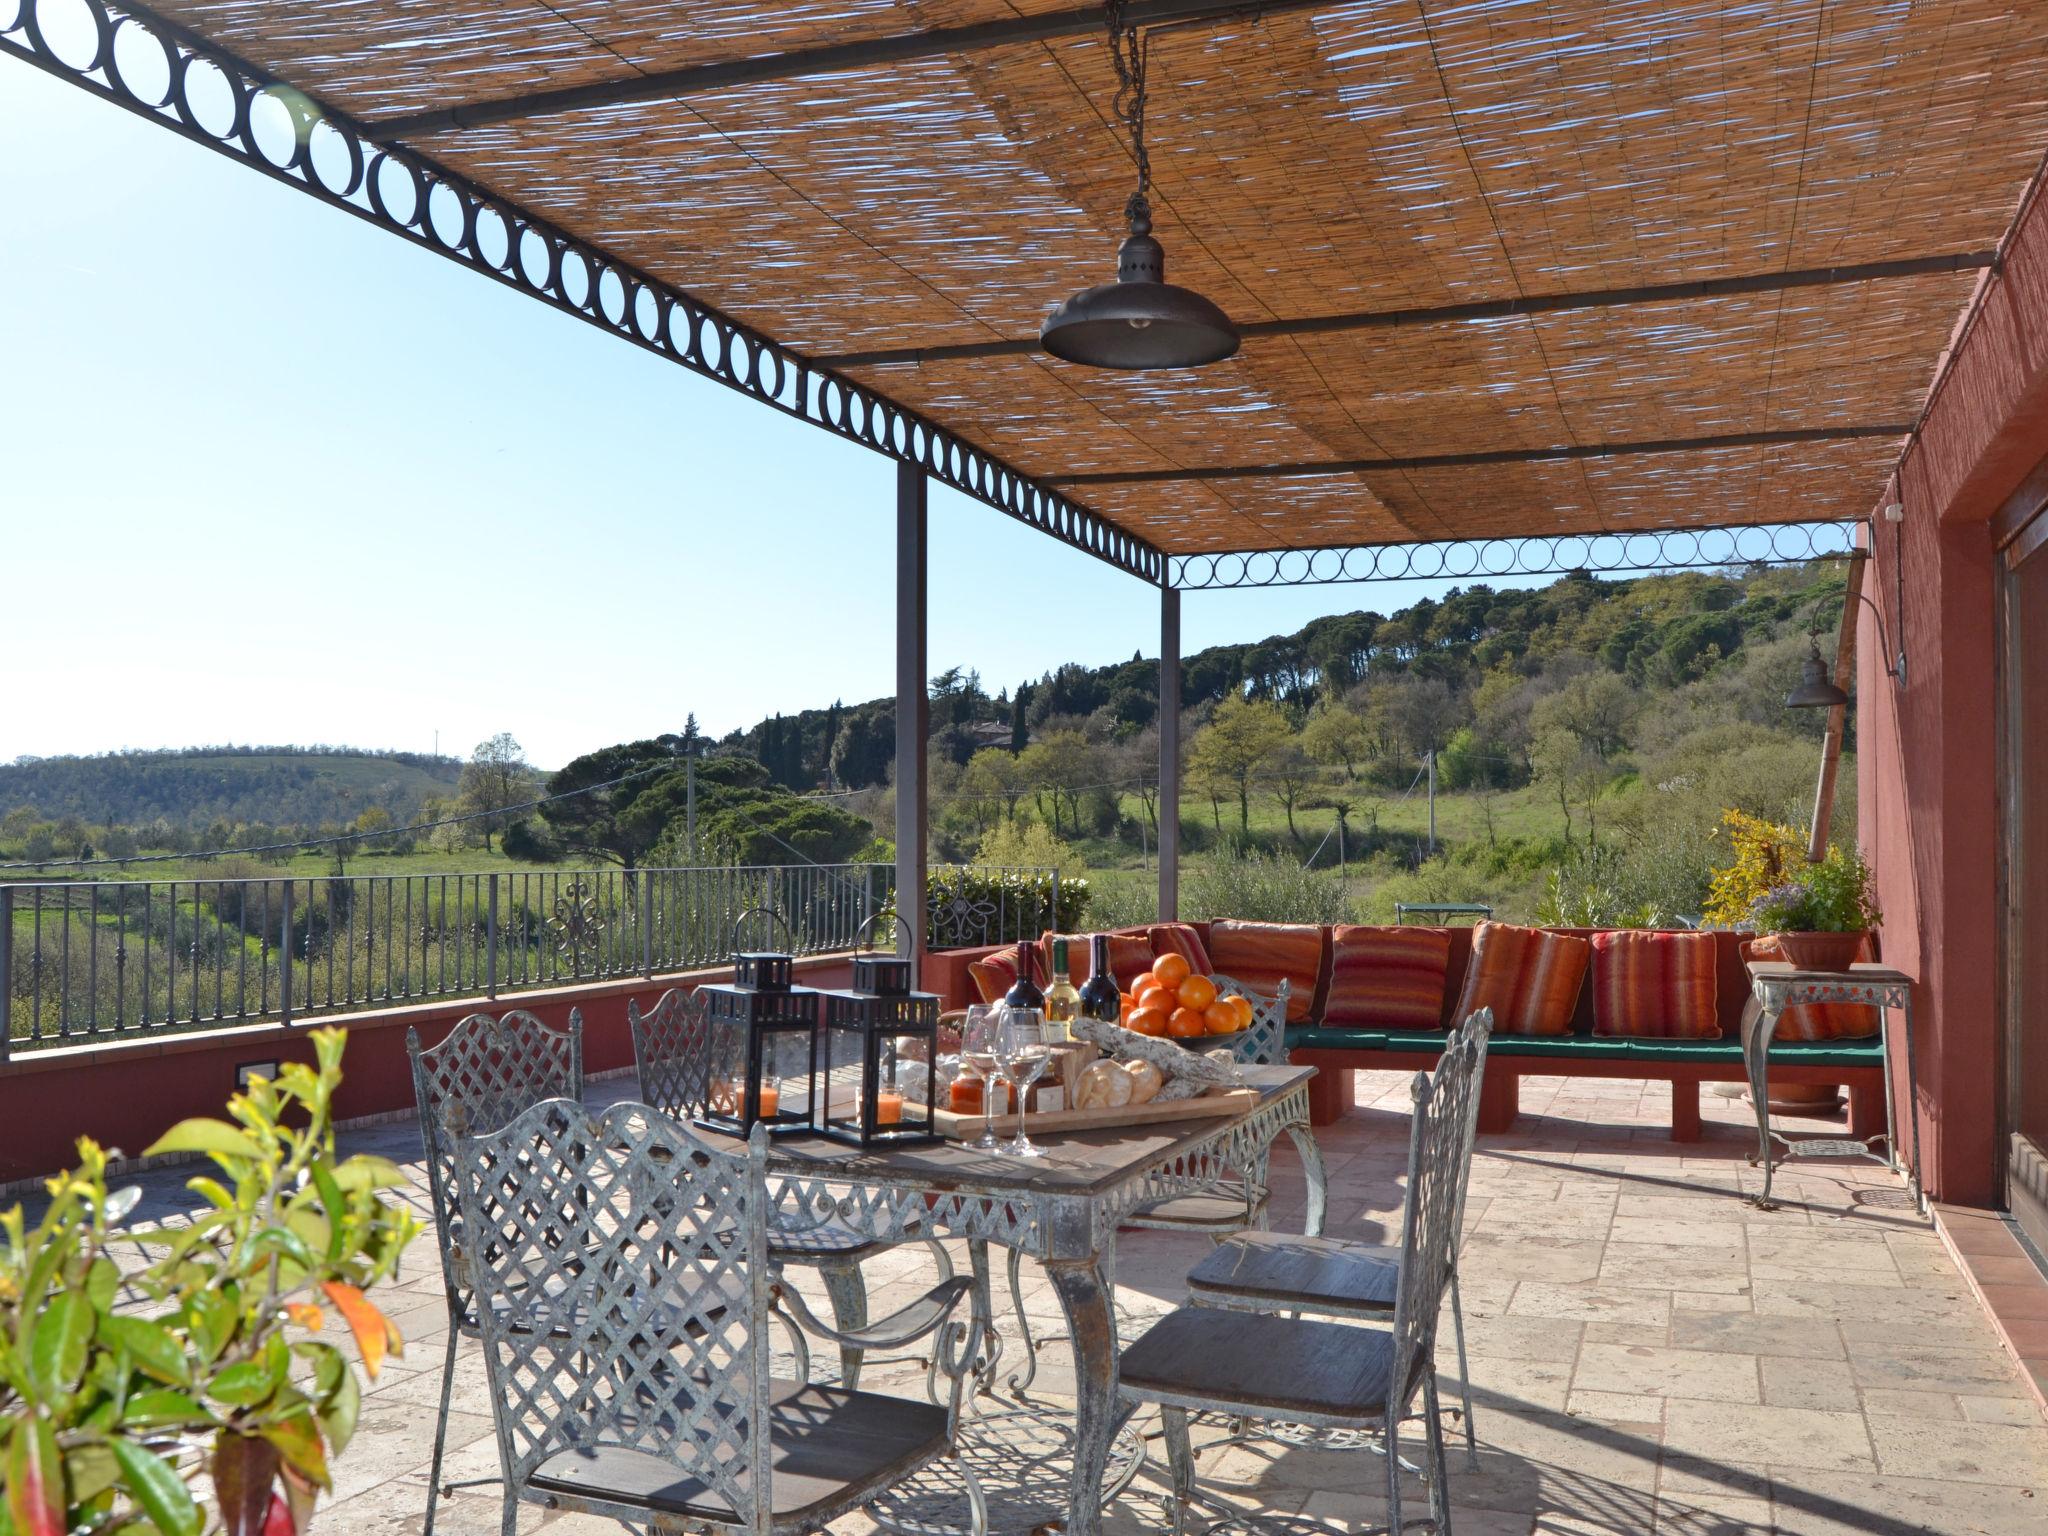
column 1078, row 1163
column 1861, row 971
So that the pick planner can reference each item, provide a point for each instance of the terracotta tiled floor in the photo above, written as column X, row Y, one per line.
column 1648, row 1352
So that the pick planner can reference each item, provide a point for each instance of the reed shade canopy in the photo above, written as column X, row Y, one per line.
column 1502, row 268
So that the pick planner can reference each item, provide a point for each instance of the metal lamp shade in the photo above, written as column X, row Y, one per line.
column 1140, row 320
column 1814, row 690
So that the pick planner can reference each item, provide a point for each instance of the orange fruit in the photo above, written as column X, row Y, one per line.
column 1149, row 1021
column 1197, row 992
column 1186, row 1024
column 1170, row 969
column 1243, row 1005
column 1140, row 982
column 1222, row 1018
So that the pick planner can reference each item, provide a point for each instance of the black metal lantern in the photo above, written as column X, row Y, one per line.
column 881, row 1051
column 761, row 1049
column 1140, row 320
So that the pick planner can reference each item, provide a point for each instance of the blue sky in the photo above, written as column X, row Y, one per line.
column 273, row 475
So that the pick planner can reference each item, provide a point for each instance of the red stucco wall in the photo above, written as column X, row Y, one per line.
column 125, row 1095
column 1927, row 773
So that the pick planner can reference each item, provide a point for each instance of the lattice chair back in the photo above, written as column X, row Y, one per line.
column 1436, row 1143
column 671, row 1050
column 1476, row 1031
column 486, row 1072
column 625, row 1305
column 1264, row 1042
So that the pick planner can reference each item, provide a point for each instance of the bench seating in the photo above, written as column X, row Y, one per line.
column 1338, row 1053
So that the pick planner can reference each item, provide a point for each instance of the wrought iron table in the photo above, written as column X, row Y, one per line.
column 1777, row 985
column 1062, row 1209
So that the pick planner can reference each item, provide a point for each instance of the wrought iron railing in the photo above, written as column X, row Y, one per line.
column 96, row 960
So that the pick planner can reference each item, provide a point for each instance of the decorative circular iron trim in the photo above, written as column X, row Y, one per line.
column 1641, row 551
column 706, row 341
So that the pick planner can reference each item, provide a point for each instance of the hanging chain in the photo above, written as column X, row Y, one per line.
column 1127, row 50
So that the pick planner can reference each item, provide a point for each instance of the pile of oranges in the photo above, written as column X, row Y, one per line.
column 1171, row 1000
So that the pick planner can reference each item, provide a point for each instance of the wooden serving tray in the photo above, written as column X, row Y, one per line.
column 1229, row 1102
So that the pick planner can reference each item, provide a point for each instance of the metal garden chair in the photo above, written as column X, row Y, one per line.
column 1273, row 1272
column 1326, row 1374
column 634, row 1381
column 483, row 1074
column 669, row 1051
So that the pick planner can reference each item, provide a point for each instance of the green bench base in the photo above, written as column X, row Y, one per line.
column 1338, row 1053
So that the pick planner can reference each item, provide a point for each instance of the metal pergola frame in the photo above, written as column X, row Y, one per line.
column 181, row 81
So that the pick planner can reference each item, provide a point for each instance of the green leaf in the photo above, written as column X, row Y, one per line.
column 338, row 1417
column 244, row 1384
column 285, row 1244
column 63, row 1334
column 151, row 1345
column 160, row 1405
column 103, row 1284
column 89, row 1471
column 35, row 1479
column 368, row 1171
column 214, row 1136
column 158, row 1489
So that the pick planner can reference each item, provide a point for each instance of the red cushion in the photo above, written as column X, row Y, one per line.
column 994, row 974
column 1387, row 978
column 1529, row 977
column 1260, row 954
column 1656, row 985
column 1185, row 940
column 1816, row 1021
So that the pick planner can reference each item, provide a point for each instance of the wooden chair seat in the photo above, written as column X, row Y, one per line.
column 828, row 1448
column 1258, row 1363
column 1221, row 1210
column 1307, row 1274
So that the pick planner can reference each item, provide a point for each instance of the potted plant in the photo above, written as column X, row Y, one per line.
column 1823, row 914
column 134, row 1395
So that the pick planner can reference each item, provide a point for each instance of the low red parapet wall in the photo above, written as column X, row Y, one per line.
column 126, row 1093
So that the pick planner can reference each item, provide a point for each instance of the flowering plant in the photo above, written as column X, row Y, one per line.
column 1832, row 896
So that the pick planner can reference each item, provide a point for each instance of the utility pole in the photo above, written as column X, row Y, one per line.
column 1431, row 761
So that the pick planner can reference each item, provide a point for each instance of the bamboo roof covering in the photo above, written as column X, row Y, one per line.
column 1348, row 159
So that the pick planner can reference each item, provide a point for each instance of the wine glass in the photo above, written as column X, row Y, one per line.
column 980, row 1042
column 1025, row 1054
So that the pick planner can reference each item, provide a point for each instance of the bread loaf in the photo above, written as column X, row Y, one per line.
column 1146, row 1081
column 1103, row 1085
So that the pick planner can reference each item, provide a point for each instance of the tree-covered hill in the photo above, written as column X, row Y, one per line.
column 198, row 786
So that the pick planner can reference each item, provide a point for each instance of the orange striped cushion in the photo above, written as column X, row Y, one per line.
column 1260, row 954
column 1658, row 985
column 1388, row 978
column 1184, row 940
column 1130, row 956
column 1527, row 976
column 1816, row 1021
column 994, row 974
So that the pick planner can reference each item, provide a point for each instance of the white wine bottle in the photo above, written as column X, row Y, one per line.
column 1062, row 1002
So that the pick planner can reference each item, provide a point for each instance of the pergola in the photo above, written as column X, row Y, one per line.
column 1525, row 285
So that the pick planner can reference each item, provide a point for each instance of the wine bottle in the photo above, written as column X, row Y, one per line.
column 1062, row 1002
column 1100, row 998
column 1024, row 991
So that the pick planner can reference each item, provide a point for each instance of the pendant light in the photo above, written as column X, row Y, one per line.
column 1814, row 690
column 1140, row 320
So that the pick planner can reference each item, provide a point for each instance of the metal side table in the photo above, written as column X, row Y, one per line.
column 1778, row 986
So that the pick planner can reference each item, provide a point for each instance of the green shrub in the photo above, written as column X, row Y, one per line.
column 1260, row 888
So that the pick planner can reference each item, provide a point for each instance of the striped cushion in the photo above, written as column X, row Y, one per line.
column 1130, row 956
column 1260, row 954
column 1815, row 1021
column 1527, row 976
column 1656, row 985
column 1184, row 940
column 994, row 974
column 1387, row 978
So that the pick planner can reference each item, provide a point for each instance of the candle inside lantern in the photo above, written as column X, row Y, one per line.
column 771, row 1100
column 888, row 1107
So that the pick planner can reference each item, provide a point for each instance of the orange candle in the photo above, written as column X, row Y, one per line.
column 771, row 1100
column 888, row 1107
column 966, row 1096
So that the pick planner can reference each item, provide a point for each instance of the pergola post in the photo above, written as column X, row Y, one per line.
column 1169, row 754
column 913, row 714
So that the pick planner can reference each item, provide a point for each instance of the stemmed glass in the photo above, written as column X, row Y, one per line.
column 980, row 1048
column 1025, row 1053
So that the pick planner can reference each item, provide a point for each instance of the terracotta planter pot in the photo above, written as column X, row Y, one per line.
column 1821, row 951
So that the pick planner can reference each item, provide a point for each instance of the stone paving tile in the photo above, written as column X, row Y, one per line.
column 1649, row 1353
